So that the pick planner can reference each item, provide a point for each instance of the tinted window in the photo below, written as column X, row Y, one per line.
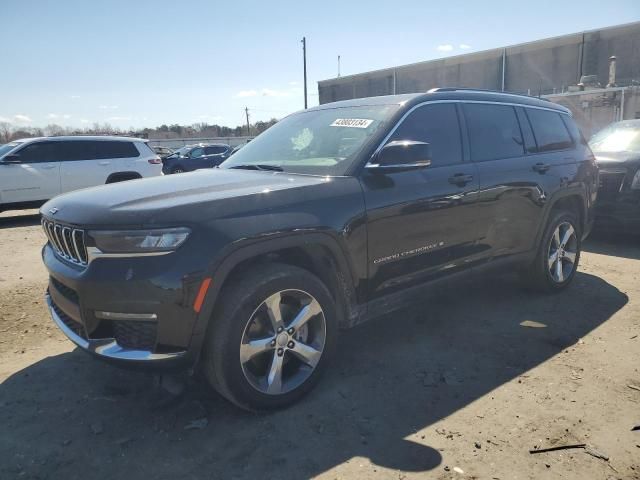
column 549, row 130
column 494, row 131
column 214, row 150
column 111, row 149
column 437, row 125
column 74, row 150
column 38, row 152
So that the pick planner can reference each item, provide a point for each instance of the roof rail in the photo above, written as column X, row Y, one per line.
column 465, row 89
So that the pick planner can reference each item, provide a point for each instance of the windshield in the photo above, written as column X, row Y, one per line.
column 316, row 142
column 619, row 137
column 4, row 149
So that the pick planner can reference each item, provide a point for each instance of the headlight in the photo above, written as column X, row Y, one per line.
column 635, row 183
column 139, row 241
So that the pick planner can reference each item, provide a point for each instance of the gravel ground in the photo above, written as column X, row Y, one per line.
column 450, row 389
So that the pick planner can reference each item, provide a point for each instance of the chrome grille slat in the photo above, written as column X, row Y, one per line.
column 67, row 242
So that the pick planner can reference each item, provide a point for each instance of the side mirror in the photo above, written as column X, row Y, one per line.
column 11, row 158
column 401, row 155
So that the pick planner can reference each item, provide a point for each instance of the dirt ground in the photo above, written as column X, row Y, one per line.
column 461, row 387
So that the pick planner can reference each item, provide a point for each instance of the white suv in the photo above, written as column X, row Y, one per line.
column 34, row 170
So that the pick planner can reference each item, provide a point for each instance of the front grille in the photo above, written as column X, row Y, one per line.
column 66, row 241
column 133, row 334
column 74, row 326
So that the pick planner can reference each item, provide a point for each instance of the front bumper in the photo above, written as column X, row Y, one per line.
column 131, row 311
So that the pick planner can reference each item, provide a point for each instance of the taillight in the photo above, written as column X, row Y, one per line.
column 155, row 161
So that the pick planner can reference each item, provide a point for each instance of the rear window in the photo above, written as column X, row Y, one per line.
column 494, row 132
column 549, row 129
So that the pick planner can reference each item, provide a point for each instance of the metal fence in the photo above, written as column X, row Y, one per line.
column 181, row 142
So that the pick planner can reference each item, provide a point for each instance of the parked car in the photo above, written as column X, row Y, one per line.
column 34, row 170
column 195, row 157
column 335, row 215
column 617, row 150
column 164, row 152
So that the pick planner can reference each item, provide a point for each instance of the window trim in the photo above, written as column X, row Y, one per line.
column 385, row 140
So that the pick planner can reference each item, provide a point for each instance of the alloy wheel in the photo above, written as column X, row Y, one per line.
column 283, row 342
column 563, row 249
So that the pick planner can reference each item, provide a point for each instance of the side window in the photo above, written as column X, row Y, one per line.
column 77, row 150
column 549, row 129
column 438, row 125
column 37, row 152
column 196, row 152
column 115, row 149
column 494, row 132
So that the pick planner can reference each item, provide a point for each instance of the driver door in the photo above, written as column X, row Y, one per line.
column 35, row 177
column 421, row 222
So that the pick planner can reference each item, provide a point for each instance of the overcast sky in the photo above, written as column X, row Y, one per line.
column 146, row 63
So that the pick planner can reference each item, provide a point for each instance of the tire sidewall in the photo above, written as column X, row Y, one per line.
column 562, row 217
column 233, row 329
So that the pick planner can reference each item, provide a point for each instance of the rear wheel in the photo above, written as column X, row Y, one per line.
column 558, row 255
column 271, row 337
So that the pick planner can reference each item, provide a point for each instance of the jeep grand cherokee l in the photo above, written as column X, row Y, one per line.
column 34, row 170
column 334, row 215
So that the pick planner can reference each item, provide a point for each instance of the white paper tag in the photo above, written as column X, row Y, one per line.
column 352, row 122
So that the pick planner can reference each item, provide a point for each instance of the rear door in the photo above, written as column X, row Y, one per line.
column 515, row 175
column 36, row 177
column 420, row 223
column 216, row 154
column 81, row 167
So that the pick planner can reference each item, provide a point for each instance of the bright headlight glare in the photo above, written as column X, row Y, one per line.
column 635, row 183
column 139, row 241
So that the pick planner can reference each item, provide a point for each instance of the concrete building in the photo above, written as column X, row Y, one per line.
column 542, row 67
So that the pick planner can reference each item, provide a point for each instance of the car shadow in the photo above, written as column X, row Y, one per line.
column 625, row 246
column 19, row 220
column 70, row 416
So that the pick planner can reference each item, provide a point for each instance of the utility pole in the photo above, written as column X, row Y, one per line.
column 304, row 59
column 338, row 66
column 246, row 111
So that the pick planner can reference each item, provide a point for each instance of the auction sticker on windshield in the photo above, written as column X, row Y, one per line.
column 352, row 122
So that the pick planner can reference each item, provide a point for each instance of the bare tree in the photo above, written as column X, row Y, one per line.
column 5, row 132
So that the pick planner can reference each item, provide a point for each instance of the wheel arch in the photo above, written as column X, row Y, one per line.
column 318, row 253
column 570, row 200
column 122, row 176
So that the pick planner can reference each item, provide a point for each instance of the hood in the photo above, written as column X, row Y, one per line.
column 182, row 199
column 617, row 159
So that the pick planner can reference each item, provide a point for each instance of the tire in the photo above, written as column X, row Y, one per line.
column 243, row 376
column 544, row 274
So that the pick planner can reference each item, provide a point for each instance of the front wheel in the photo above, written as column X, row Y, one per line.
column 557, row 260
column 271, row 337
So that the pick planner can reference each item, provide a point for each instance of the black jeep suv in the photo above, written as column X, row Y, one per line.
column 334, row 215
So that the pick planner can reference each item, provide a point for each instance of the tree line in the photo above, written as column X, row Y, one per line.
column 10, row 132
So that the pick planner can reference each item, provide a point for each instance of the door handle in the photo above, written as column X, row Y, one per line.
column 48, row 167
column 541, row 167
column 104, row 163
column 460, row 179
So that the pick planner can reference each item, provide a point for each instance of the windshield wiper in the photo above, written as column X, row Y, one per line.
column 259, row 166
